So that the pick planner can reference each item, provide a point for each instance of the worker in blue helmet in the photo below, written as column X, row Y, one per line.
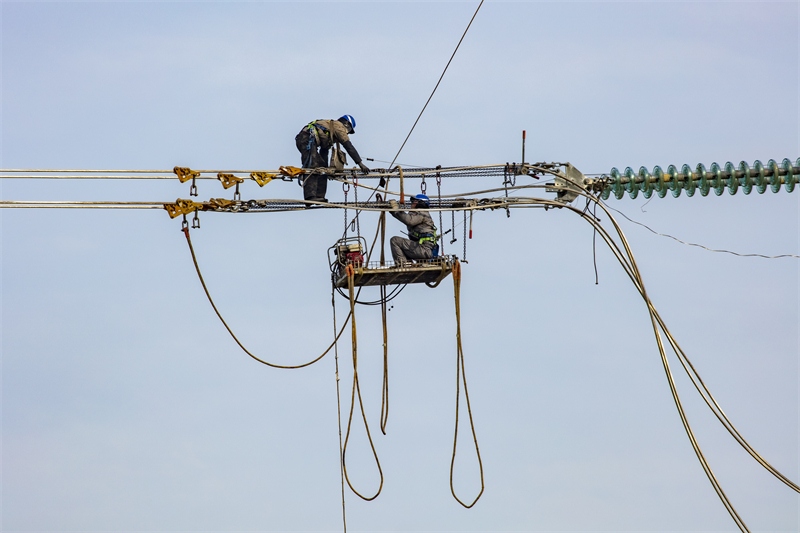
column 314, row 142
column 423, row 241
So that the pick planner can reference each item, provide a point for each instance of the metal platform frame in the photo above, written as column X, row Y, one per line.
column 430, row 271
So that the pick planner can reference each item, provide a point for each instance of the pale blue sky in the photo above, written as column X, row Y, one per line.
column 125, row 404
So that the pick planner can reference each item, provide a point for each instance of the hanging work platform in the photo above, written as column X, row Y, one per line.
column 350, row 251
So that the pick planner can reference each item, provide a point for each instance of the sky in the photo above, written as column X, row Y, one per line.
column 126, row 406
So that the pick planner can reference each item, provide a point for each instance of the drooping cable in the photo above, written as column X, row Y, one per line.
column 629, row 265
column 651, row 230
column 224, row 323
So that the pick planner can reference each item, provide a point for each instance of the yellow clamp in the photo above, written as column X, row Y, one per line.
column 229, row 180
column 262, row 178
column 220, row 203
column 185, row 173
column 290, row 171
column 182, row 207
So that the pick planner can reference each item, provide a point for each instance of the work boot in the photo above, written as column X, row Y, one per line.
column 315, row 199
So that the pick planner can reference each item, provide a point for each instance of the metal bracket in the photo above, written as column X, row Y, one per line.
column 185, row 174
column 182, row 207
column 229, row 180
column 262, row 178
column 569, row 184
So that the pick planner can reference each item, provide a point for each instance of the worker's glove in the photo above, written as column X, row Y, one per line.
column 394, row 205
column 364, row 168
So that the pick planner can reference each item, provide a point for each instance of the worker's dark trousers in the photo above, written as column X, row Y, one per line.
column 405, row 249
column 314, row 187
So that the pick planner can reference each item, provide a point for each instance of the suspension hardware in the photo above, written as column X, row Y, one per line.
column 182, row 207
column 289, row 172
column 185, row 174
column 262, row 178
column 229, row 180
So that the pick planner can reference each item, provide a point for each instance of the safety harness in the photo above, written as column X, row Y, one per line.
column 422, row 238
column 315, row 128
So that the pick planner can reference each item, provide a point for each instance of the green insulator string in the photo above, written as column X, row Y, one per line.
column 705, row 185
column 775, row 179
column 661, row 186
column 733, row 181
column 790, row 179
column 647, row 182
column 631, row 187
column 761, row 179
column 719, row 182
column 690, row 185
column 674, row 185
column 747, row 181
column 730, row 176
column 616, row 187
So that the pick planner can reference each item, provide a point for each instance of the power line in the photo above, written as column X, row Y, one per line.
column 648, row 228
column 437, row 84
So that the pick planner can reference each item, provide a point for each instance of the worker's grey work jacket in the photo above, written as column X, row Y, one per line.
column 417, row 222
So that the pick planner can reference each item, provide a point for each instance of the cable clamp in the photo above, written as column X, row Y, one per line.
column 185, row 174
column 290, row 172
column 262, row 178
column 221, row 204
column 229, row 180
column 183, row 207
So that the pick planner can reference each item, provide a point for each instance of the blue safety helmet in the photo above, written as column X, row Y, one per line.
column 349, row 121
column 421, row 198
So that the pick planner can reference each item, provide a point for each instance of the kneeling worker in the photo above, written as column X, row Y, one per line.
column 314, row 141
column 421, row 230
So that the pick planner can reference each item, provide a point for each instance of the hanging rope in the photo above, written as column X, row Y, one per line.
column 441, row 224
column 339, row 411
column 462, row 377
column 385, row 385
column 356, row 392
column 213, row 305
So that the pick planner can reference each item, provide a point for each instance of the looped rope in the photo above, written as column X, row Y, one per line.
column 356, row 391
column 462, row 377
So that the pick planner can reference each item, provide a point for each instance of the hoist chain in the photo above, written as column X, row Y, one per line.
column 506, row 182
column 464, row 256
column 346, row 189
column 453, row 226
column 355, row 195
column 441, row 224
